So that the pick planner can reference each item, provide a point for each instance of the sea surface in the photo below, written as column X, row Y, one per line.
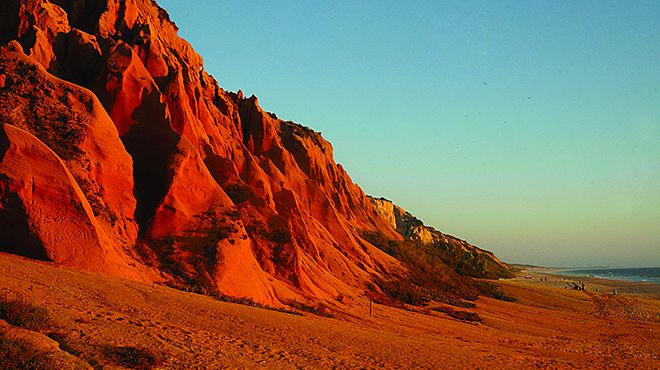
column 648, row 274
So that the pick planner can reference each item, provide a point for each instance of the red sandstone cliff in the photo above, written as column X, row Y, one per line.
column 119, row 154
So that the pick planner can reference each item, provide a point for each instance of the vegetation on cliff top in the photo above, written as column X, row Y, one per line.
column 428, row 276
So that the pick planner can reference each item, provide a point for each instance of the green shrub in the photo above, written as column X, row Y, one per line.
column 472, row 261
column 189, row 272
column 403, row 290
column 427, row 278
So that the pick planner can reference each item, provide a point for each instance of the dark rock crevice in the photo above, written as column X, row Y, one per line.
column 10, row 20
column 83, row 15
column 15, row 234
column 151, row 142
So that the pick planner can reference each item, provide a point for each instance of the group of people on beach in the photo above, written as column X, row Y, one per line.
column 576, row 286
column 572, row 285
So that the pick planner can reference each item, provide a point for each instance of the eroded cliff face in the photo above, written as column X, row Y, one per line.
column 175, row 178
column 66, row 178
column 202, row 184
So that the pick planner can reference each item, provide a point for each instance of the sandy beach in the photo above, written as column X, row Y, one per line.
column 553, row 278
column 546, row 327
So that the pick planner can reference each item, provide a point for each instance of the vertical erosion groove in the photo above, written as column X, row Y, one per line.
column 151, row 142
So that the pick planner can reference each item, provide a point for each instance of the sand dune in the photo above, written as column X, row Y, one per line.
column 547, row 327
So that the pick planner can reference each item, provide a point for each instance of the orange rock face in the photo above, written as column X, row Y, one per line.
column 45, row 213
column 157, row 160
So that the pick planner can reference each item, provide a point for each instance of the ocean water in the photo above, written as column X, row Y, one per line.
column 648, row 274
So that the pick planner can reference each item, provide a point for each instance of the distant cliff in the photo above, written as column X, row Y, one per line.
column 464, row 257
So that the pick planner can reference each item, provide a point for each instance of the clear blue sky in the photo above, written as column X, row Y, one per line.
column 531, row 128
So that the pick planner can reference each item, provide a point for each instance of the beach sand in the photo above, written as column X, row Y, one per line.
column 547, row 327
column 554, row 279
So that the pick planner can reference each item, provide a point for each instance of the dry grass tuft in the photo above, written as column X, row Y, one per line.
column 131, row 357
column 458, row 314
column 19, row 312
column 319, row 310
column 20, row 354
column 246, row 301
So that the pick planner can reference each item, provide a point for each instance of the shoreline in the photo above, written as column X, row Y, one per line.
column 553, row 278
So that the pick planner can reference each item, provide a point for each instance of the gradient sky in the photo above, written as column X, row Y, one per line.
column 530, row 128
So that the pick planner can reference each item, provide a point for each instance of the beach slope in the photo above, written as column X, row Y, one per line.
column 545, row 327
